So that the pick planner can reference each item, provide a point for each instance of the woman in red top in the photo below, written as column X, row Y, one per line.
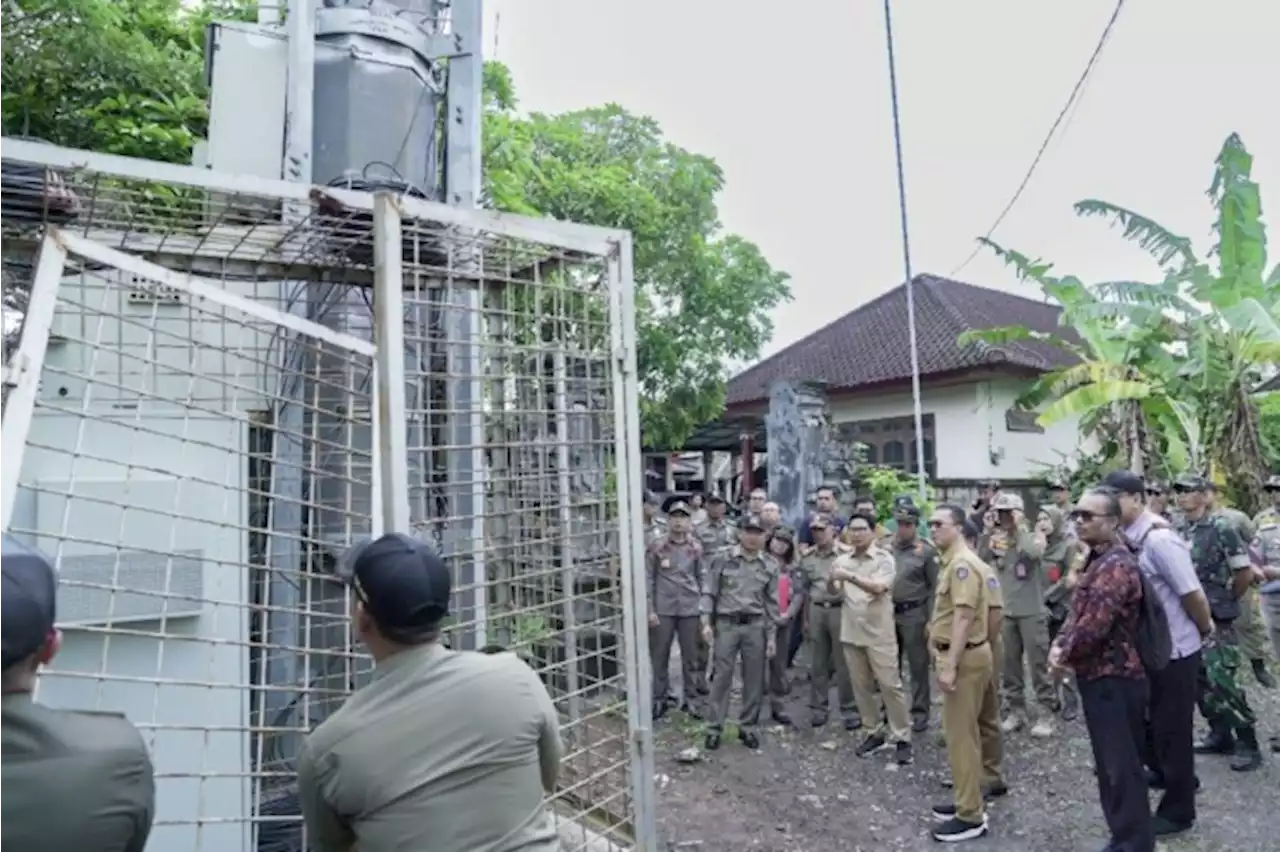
column 782, row 546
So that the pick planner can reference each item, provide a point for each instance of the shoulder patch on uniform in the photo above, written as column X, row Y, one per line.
column 993, row 582
column 962, row 572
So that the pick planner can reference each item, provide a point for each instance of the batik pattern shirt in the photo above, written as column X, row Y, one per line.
column 1100, row 637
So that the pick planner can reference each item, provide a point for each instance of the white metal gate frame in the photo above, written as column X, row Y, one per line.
column 390, row 486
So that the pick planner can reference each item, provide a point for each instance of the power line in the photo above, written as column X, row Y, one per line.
column 906, row 257
column 1076, row 92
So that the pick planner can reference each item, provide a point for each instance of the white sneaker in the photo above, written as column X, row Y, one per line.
column 1011, row 723
column 1042, row 729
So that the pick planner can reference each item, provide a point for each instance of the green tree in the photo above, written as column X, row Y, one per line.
column 1166, row 369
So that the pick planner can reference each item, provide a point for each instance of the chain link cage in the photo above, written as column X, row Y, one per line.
column 198, row 424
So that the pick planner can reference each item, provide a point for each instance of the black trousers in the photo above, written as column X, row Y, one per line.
column 1170, row 750
column 1115, row 712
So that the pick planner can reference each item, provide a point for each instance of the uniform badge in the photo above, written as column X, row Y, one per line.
column 666, row 563
column 1020, row 571
column 993, row 583
column 962, row 572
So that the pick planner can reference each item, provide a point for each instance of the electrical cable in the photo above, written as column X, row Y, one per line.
column 1076, row 92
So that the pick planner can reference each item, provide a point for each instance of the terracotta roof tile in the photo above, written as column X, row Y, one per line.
column 869, row 345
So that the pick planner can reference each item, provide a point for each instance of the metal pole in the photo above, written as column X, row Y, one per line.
column 921, row 474
column 568, row 576
column 462, row 188
column 390, row 432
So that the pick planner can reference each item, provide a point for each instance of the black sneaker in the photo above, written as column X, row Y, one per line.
column 749, row 739
column 956, row 830
column 817, row 720
column 782, row 718
column 712, row 742
column 853, row 723
column 920, row 725
column 872, row 743
column 1260, row 673
column 994, row 790
column 903, row 755
column 1163, row 827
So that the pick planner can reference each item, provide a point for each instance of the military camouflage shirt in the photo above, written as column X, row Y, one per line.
column 1218, row 552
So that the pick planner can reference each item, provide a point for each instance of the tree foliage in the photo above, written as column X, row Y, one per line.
column 127, row 77
column 1167, row 369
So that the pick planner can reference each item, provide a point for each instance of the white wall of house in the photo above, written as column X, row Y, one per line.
column 972, row 439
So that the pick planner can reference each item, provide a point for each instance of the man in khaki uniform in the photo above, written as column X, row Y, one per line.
column 1015, row 553
column 73, row 781
column 958, row 633
column 867, row 635
column 654, row 526
column 716, row 533
column 451, row 751
column 990, row 733
column 673, row 568
column 739, row 612
column 824, row 629
column 915, row 578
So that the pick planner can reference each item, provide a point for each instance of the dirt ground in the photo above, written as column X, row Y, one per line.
column 805, row 791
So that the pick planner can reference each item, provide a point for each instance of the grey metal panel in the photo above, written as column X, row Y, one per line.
column 92, row 587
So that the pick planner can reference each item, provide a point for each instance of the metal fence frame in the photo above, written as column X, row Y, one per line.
column 391, row 487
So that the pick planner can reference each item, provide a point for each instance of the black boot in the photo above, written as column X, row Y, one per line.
column 1248, row 756
column 1219, row 741
column 1263, row 676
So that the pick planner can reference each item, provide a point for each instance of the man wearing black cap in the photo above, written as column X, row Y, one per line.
column 739, row 612
column 673, row 588
column 72, row 781
column 914, row 582
column 444, row 750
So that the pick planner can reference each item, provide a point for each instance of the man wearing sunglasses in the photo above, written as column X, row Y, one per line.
column 1226, row 573
column 444, row 750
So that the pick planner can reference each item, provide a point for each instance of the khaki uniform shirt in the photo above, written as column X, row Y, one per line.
column 961, row 582
column 1022, row 572
column 866, row 620
column 815, row 568
column 1268, row 537
column 654, row 530
column 917, row 570
column 445, row 750
column 738, row 583
column 674, row 576
column 716, row 535
column 73, row 782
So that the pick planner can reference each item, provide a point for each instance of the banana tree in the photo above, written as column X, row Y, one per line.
column 1166, row 369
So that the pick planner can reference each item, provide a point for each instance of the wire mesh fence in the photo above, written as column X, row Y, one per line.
column 202, row 441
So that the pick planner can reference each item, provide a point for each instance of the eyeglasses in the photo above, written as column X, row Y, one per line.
column 1085, row 516
column 1154, row 492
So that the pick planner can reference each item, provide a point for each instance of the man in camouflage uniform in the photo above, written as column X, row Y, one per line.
column 1267, row 543
column 1223, row 566
column 739, row 611
column 717, row 533
column 1253, row 636
column 673, row 567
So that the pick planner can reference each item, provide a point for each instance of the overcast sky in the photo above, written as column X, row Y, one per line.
column 792, row 100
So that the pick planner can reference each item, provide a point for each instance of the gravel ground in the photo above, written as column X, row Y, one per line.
column 804, row 790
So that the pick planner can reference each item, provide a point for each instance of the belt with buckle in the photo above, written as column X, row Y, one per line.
column 941, row 646
column 739, row 617
column 828, row 604
column 907, row 606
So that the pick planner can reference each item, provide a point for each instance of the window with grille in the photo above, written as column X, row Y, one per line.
column 891, row 441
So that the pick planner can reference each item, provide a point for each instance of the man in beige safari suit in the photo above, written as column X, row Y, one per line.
column 868, row 636
column 824, row 628
column 739, row 610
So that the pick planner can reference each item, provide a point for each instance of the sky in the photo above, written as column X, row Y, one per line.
column 792, row 100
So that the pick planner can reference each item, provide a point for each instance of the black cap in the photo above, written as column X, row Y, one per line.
column 679, row 507
column 751, row 522
column 28, row 600
column 402, row 583
column 820, row 520
column 1125, row 481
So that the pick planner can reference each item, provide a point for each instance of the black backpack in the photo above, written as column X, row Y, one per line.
column 1155, row 642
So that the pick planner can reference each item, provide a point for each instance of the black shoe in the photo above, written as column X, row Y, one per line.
column 1217, row 742
column 1248, row 756
column 994, row 790
column 956, row 830
column 749, row 739
column 691, row 711
column 703, row 689
column 782, row 718
column 817, row 721
column 920, row 724
column 712, row 742
column 1070, row 707
column 1263, row 676
column 902, row 754
column 1163, row 827
column 853, row 723
column 872, row 743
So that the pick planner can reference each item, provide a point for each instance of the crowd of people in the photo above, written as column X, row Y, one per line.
column 1120, row 605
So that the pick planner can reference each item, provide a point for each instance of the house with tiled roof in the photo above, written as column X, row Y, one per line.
column 972, row 427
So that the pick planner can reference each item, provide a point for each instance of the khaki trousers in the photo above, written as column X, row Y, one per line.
column 825, row 654
column 734, row 640
column 990, row 735
column 1027, row 637
column 877, row 665
column 960, row 711
column 1249, row 627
